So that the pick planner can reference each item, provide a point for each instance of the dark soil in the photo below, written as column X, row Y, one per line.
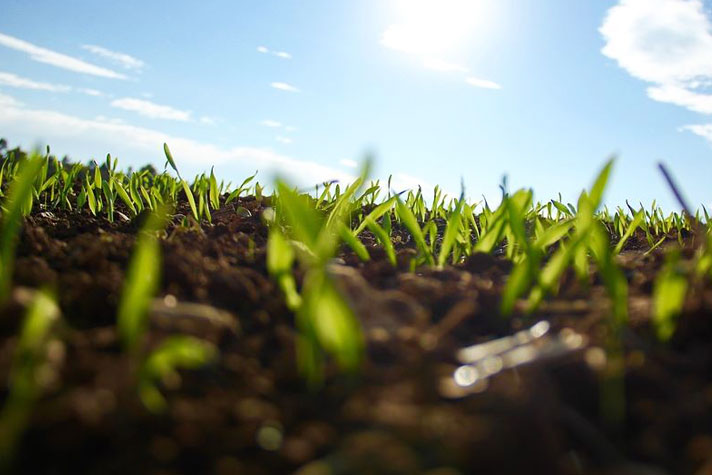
column 402, row 414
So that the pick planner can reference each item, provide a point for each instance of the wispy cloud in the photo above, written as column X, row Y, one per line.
column 703, row 130
column 123, row 59
column 92, row 92
column 44, row 55
column 151, row 109
column 347, row 162
column 284, row 140
column 483, row 83
column 279, row 54
column 283, row 86
column 275, row 124
column 12, row 80
column 54, row 126
column 271, row 123
column 667, row 43
column 9, row 101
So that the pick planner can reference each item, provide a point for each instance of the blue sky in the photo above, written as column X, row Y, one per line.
column 543, row 91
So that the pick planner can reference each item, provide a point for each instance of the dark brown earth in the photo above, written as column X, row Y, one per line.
column 402, row 414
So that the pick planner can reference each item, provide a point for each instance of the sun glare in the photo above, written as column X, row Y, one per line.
column 435, row 29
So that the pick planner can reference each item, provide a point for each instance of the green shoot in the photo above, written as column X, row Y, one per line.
column 17, row 204
column 175, row 352
column 28, row 360
column 141, row 283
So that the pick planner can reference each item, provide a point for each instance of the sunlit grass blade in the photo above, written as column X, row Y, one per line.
column 492, row 235
column 170, row 160
column 125, row 197
column 304, row 221
column 411, row 223
column 28, row 359
column 552, row 234
column 376, row 213
column 17, row 204
column 280, row 259
column 599, row 185
column 334, row 323
column 669, row 292
column 174, row 353
column 634, row 224
column 452, row 229
column 353, row 242
column 384, row 238
column 191, row 200
column 141, row 283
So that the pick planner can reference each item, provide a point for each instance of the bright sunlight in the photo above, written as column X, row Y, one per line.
column 436, row 29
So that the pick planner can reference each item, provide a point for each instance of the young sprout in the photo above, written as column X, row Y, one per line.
column 175, row 352
column 17, row 204
column 141, row 283
column 325, row 321
column 183, row 183
column 29, row 360
column 452, row 229
column 407, row 217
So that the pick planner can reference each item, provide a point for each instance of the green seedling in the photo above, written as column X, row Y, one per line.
column 186, row 189
column 326, row 323
column 29, row 361
column 162, row 365
column 17, row 204
column 409, row 220
column 669, row 293
column 141, row 283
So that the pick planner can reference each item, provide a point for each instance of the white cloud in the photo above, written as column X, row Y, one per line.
column 271, row 123
column 664, row 42
column 283, row 86
column 92, row 92
column 484, row 83
column 284, row 140
column 279, row 54
column 123, row 59
column 703, row 130
column 150, row 109
column 52, row 126
column 681, row 96
column 110, row 120
column 347, row 162
column 9, row 101
column 12, row 80
column 207, row 120
column 59, row 60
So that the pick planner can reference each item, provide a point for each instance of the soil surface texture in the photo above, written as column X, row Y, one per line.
column 546, row 409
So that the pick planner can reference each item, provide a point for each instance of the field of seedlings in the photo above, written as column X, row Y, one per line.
column 156, row 323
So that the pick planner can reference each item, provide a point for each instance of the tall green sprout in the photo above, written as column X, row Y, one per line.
column 325, row 321
column 28, row 360
column 17, row 204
